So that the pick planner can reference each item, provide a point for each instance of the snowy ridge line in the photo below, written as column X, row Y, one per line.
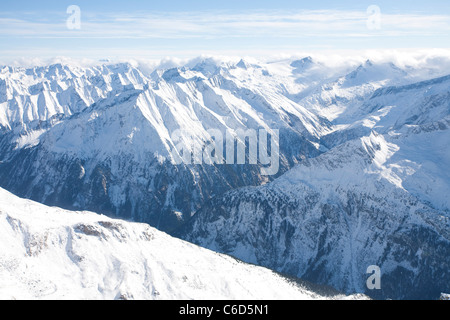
column 418, row 85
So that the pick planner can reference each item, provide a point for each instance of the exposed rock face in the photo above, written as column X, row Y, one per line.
column 327, row 221
column 377, row 197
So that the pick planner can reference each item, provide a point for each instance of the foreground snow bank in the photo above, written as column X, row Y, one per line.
column 50, row 253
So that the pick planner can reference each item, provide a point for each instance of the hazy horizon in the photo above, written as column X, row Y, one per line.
column 153, row 30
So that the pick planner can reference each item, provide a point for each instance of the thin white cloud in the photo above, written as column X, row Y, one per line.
column 319, row 23
column 426, row 59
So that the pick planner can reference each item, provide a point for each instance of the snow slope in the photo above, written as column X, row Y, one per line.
column 49, row 253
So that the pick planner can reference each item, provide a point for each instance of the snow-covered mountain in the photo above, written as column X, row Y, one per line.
column 110, row 150
column 29, row 97
column 379, row 196
column 50, row 253
column 363, row 176
column 330, row 218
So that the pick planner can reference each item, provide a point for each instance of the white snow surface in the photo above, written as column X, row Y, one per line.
column 50, row 253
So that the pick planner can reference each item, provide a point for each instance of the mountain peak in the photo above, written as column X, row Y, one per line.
column 207, row 67
column 368, row 63
column 303, row 64
column 243, row 64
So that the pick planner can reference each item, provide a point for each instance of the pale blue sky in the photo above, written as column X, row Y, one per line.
column 155, row 29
